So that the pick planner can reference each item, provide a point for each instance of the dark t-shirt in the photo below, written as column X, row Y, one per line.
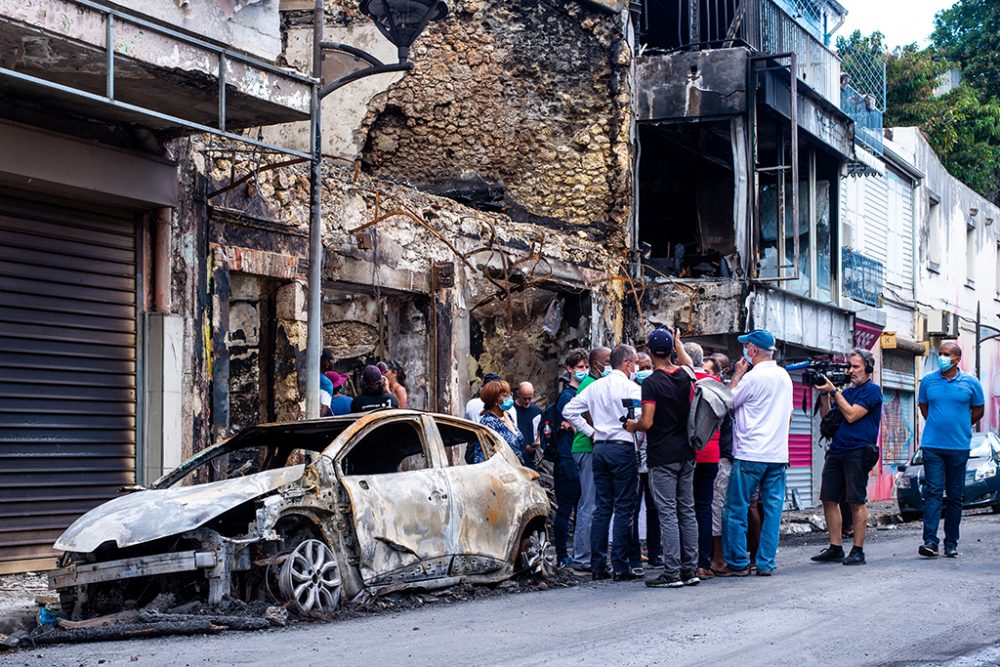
column 524, row 418
column 666, row 440
column 563, row 438
column 365, row 402
column 864, row 431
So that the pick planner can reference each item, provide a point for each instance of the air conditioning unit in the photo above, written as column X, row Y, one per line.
column 941, row 323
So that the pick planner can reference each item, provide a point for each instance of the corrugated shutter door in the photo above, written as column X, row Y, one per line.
column 799, row 477
column 67, row 370
column 876, row 211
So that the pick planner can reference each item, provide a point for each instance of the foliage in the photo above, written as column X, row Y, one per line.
column 962, row 125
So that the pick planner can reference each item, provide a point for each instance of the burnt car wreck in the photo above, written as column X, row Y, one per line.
column 313, row 513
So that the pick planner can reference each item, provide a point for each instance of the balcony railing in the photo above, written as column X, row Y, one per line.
column 864, row 277
column 868, row 124
column 765, row 26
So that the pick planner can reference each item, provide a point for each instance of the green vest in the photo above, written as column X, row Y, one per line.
column 582, row 443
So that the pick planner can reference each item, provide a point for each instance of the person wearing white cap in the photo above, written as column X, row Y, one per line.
column 762, row 412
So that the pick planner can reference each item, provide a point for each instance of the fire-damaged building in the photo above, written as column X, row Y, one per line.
column 743, row 136
column 538, row 175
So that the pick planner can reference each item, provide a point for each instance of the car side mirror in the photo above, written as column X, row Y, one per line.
column 132, row 488
column 901, row 468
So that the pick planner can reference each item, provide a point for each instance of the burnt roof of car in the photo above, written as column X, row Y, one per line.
column 323, row 426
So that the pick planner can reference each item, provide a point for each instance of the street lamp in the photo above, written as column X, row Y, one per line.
column 402, row 22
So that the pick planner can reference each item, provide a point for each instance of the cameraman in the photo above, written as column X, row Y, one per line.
column 845, row 471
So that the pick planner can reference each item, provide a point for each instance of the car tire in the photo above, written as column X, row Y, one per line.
column 310, row 578
column 995, row 508
column 911, row 516
column 536, row 556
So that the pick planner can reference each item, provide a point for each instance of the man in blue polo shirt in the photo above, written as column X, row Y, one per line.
column 952, row 402
column 845, row 471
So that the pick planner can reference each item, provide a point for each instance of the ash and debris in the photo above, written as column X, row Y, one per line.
column 37, row 621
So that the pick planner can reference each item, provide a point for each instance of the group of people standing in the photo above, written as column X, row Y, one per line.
column 381, row 385
column 716, row 511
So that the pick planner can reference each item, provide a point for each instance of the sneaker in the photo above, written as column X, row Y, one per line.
column 638, row 572
column 729, row 571
column 600, row 576
column 951, row 552
column 690, row 579
column 764, row 572
column 656, row 562
column 856, row 557
column 832, row 554
column 665, row 581
column 580, row 571
column 928, row 550
column 623, row 576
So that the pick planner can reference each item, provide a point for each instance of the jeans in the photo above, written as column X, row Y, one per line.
column 567, row 488
column 944, row 471
column 704, row 493
column 653, row 549
column 584, row 509
column 673, row 491
column 744, row 478
column 616, row 491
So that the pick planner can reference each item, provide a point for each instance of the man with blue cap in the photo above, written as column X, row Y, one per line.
column 762, row 413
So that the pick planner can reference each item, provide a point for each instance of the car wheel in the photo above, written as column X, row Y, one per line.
column 310, row 578
column 536, row 554
column 911, row 516
column 995, row 508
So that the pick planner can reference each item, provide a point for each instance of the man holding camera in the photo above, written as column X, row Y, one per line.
column 851, row 456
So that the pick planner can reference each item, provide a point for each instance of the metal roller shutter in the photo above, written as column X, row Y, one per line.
column 799, row 480
column 67, row 370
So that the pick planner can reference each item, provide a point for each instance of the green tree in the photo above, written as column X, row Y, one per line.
column 969, row 33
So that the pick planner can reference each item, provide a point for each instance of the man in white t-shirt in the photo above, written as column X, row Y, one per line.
column 762, row 412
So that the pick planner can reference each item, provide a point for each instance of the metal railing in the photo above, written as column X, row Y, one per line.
column 764, row 26
column 864, row 277
column 114, row 18
column 868, row 122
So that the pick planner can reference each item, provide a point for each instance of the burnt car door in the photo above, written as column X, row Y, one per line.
column 488, row 503
column 399, row 500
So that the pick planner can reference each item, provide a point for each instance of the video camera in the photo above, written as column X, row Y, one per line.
column 817, row 371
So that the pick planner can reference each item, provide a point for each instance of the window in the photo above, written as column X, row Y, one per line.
column 996, row 268
column 935, row 233
column 394, row 447
column 970, row 256
column 459, row 442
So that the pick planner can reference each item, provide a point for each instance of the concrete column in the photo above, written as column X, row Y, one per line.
column 451, row 340
column 289, row 352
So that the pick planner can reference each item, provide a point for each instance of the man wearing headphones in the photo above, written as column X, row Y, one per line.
column 845, row 471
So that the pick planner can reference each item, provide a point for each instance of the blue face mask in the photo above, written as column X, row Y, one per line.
column 580, row 376
column 642, row 375
column 944, row 363
column 507, row 403
column 606, row 372
column 746, row 355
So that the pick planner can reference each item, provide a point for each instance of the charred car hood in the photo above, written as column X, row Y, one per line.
column 149, row 515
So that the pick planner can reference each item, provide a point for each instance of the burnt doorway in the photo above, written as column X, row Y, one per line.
column 252, row 351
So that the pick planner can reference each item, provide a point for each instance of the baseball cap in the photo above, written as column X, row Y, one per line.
column 371, row 375
column 660, row 342
column 762, row 338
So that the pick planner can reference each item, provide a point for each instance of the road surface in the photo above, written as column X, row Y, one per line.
column 899, row 609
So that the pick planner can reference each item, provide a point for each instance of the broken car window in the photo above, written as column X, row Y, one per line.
column 394, row 447
column 458, row 444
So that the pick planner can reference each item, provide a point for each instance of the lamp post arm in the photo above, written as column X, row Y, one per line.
column 381, row 68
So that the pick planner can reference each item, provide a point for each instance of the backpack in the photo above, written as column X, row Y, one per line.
column 711, row 401
column 548, row 441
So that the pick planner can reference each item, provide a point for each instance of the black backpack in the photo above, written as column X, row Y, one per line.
column 550, row 416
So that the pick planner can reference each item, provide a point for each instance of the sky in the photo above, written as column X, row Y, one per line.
column 901, row 21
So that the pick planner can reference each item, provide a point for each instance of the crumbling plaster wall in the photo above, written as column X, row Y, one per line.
column 522, row 105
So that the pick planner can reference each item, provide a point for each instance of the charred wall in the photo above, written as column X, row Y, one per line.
column 519, row 106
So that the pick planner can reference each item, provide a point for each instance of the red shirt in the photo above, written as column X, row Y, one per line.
column 710, row 454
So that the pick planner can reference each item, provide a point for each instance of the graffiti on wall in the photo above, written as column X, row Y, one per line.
column 897, row 426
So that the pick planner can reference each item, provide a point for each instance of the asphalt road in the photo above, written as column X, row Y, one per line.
column 897, row 610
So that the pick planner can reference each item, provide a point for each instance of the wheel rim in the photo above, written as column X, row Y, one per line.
column 538, row 557
column 310, row 578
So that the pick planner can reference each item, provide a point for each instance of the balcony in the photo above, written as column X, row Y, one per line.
column 763, row 26
column 864, row 278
